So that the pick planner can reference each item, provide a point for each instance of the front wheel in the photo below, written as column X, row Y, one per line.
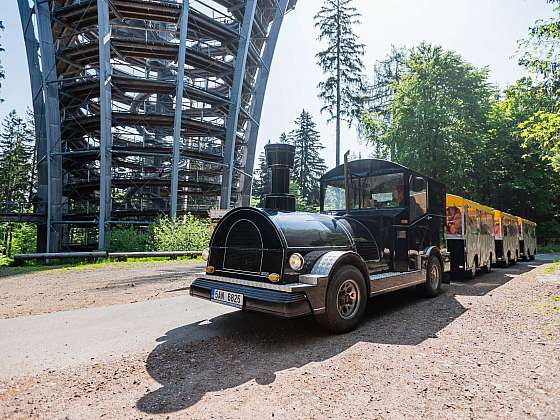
column 434, row 277
column 346, row 300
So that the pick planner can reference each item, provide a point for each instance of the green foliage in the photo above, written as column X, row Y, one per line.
column 16, row 159
column 128, row 239
column 187, row 233
column 437, row 116
column 541, row 49
column 261, row 181
column 309, row 166
column 24, row 239
column 543, row 128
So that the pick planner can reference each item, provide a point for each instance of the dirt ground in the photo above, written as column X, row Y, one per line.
column 488, row 348
column 92, row 286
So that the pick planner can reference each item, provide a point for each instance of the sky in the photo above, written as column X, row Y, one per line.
column 483, row 32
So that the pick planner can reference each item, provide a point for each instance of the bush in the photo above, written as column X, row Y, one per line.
column 128, row 239
column 24, row 239
column 186, row 234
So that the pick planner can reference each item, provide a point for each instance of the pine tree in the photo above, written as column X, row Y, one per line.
column 16, row 151
column 341, row 61
column 2, row 72
column 309, row 166
column 261, row 181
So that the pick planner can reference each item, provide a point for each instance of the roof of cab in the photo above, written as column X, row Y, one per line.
column 369, row 167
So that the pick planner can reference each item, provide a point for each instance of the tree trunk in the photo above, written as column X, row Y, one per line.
column 338, row 77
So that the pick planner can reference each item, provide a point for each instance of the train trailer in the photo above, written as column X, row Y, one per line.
column 470, row 235
column 527, row 231
column 381, row 229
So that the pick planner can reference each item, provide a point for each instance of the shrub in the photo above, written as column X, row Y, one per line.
column 24, row 239
column 128, row 239
column 185, row 234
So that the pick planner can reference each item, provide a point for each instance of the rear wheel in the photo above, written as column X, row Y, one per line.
column 345, row 301
column 434, row 277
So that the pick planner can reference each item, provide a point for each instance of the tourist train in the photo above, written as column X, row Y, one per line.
column 382, row 227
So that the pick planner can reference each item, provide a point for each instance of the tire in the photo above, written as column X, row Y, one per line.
column 434, row 276
column 471, row 274
column 341, row 317
column 488, row 267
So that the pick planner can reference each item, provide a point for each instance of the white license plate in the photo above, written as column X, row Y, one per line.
column 227, row 298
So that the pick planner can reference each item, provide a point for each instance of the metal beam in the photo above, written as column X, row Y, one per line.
column 31, row 49
column 179, row 109
column 235, row 101
column 106, row 121
column 258, row 100
column 52, row 121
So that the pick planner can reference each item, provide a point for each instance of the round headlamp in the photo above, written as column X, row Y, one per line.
column 296, row 262
column 206, row 254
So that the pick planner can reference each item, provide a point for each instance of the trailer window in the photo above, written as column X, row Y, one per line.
column 454, row 221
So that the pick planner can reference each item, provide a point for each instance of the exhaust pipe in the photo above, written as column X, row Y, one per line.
column 280, row 160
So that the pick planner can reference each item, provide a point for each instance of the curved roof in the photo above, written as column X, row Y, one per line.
column 364, row 167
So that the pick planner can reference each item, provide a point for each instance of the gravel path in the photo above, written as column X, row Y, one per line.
column 489, row 348
column 110, row 284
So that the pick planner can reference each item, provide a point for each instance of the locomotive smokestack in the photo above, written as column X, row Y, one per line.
column 280, row 160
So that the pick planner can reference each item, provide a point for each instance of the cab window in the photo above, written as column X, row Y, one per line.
column 418, row 197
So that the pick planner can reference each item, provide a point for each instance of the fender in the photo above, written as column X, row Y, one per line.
column 321, row 272
column 443, row 256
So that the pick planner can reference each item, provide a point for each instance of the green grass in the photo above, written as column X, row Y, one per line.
column 549, row 248
column 6, row 271
column 553, row 268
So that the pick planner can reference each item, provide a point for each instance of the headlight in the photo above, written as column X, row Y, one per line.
column 296, row 262
column 206, row 254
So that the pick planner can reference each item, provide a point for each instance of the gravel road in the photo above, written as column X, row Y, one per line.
column 488, row 348
column 94, row 286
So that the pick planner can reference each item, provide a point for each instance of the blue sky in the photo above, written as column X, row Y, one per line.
column 484, row 32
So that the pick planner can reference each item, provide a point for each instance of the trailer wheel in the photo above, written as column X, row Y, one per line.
column 488, row 267
column 346, row 301
column 434, row 277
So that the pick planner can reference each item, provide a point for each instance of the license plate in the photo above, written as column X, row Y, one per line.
column 227, row 298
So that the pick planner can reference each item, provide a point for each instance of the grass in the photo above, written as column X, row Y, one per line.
column 6, row 271
column 550, row 248
column 553, row 268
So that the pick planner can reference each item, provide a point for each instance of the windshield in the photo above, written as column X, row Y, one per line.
column 373, row 192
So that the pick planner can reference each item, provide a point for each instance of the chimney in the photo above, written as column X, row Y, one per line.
column 280, row 160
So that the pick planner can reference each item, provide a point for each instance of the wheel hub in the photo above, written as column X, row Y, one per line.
column 348, row 299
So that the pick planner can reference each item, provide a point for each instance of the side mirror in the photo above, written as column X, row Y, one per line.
column 418, row 184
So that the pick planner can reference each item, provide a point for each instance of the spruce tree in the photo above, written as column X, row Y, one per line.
column 261, row 181
column 2, row 72
column 16, row 151
column 341, row 62
column 309, row 166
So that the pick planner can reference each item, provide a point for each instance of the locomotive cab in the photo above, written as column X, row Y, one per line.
column 381, row 228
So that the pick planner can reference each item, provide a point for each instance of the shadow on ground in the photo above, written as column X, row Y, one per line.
column 248, row 346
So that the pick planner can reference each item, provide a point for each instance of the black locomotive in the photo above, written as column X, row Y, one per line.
column 381, row 229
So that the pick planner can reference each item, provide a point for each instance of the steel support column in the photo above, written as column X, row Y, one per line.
column 31, row 49
column 106, row 140
column 179, row 109
column 235, row 101
column 258, row 101
column 52, row 125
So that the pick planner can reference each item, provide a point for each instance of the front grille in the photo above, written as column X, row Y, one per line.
column 244, row 248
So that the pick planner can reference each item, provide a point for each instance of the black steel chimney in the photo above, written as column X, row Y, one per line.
column 280, row 160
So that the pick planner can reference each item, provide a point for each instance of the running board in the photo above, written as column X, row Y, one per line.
column 392, row 281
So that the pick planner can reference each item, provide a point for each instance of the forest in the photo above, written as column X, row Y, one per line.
column 421, row 106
